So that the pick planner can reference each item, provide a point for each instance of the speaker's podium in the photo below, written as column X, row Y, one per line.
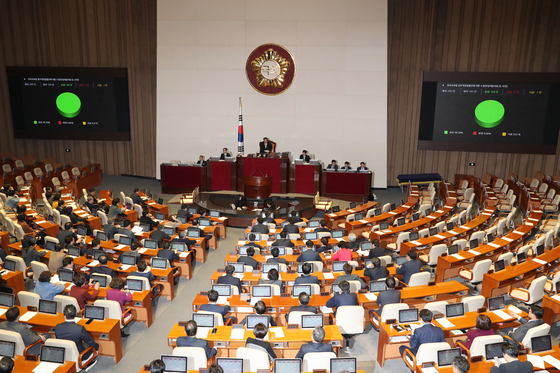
column 275, row 167
column 257, row 187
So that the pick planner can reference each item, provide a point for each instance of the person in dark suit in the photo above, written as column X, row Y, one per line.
column 265, row 146
column 159, row 235
column 27, row 335
column 260, row 331
column 212, row 306
column 304, row 156
column 346, row 166
column 191, row 341
column 309, row 255
column 291, row 227
column 536, row 314
column 344, row 298
column 146, row 218
column 67, row 231
column 323, row 227
column 304, row 306
column 348, row 276
column 377, row 251
column 184, row 211
column 136, row 197
column 427, row 333
column 260, row 309
column 333, row 165
column 512, row 365
column 111, row 229
column 201, row 161
column 167, row 253
column 240, row 203
column 142, row 272
column 224, row 154
column 272, row 279
column 410, row 267
column 362, row 167
column 251, row 238
column 248, row 260
column 316, row 345
column 461, row 364
column 389, row 296
column 275, row 259
column 269, row 219
column 127, row 232
column 74, row 332
column 102, row 268
column 260, row 227
column 324, row 245
column 229, row 279
column 375, row 270
column 183, row 239
column 306, row 278
column 283, row 241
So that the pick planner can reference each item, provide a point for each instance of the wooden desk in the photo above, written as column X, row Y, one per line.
column 221, row 175
column 286, row 347
column 334, row 219
column 23, row 366
column 14, row 281
column 276, row 168
column 358, row 226
column 90, row 180
column 346, row 185
column 551, row 305
column 304, row 178
column 4, row 239
column 182, row 178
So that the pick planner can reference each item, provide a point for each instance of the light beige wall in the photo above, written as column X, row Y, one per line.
column 336, row 107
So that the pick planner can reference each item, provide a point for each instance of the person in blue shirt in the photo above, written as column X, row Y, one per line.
column 427, row 333
column 45, row 288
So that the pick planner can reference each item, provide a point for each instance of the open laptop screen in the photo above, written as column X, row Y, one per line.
column 47, row 306
column 52, row 354
column 175, row 363
column 496, row 303
column 203, row 320
column 297, row 289
column 253, row 320
column 94, row 313
column 343, row 364
column 454, row 310
column 287, row 366
column 541, row 344
column 311, row 321
column 494, row 350
column 409, row 315
column 8, row 349
column 7, row 300
column 230, row 365
column 445, row 357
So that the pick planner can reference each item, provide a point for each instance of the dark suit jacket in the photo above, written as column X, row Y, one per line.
column 264, row 148
column 77, row 333
column 313, row 347
column 28, row 335
column 127, row 233
column 321, row 229
column 291, row 228
column 283, row 243
column 202, row 163
column 224, row 155
column 344, row 299
column 184, row 213
column 304, row 309
column 230, row 280
column 136, row 199
column 249, row 261
column 426, row 334
column 110, row 230
column 260, row 228
column 309, row 256
column 351, row 277
column 307, row 279
column 222, row 310
column 362, row 169
column 515, row 366
column 305, row 158
column 276, row 260
column 263, row 344
column 195, row 342
column 62, row 233
column 104, row 270
column 330, row 167
column 147, row 220
column 408, row 269
column 114, row 211
column 387, row 297
column 272, row 322
column 520, row 332
column 159, row 236
column 170, row 255
column 376, row 253
column 376, row 273
column 269, row 220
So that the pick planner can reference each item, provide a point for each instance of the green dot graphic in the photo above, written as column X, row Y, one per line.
column 68, row 104
column 489, row 113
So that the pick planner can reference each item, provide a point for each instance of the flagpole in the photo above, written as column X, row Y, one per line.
column 240, row 141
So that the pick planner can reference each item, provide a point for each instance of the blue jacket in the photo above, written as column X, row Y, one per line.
column 231, row 281
column 313, row 347
column 387, row 297
column 425, row 334
column 309, row 256
column 47, row 290
column 408, row 269
column 222, row 310
column 195, row 342
column 307, row 279
column 344, row 299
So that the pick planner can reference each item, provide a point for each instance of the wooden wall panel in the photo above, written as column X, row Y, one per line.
column 463, row 35
column 85, row 33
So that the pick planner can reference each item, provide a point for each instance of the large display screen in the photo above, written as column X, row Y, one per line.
column 69, row 103
column 490, row 112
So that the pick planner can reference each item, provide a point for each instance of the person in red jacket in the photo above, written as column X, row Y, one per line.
column 80, row 290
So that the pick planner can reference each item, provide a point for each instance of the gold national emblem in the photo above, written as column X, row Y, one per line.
column 270, row 69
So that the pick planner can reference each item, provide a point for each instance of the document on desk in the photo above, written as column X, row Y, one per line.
column 493, row 244
column 241, row 243
column 184, row 254
column 350, row 210
column 452, row 232
column 439, row 236
column 142, row 251
column 3, row 311
column 364, row 221
column 332, row 215
column 502, row 315
column 46, row 367
column 536, row 360
column 202, row 333
column 254, row 300
column 552, row 361
column 556, row 297
column 416, row 243
column 507, row 239
column 464, row 227
column 40, row 222
column 93, row 263
column 27, row 316
column 371, row 296
column 308, row 230
column 237, row 333
column 137, row 230
column 125, row 267
column 474, row 252
column 328, row 275
column 431, row 217
column 517, row 232
column 278, row 332
column 457, row 256
column 119, row 247
column 238, row 275
column 222, row 299
column 445, row 323
column 397, row 339
column 540, row 261
column 429, row 370
column 325, row 309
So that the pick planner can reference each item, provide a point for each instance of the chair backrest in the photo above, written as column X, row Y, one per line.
column 218, row 318
column 440, row 226
column 294, row 317
column 478, row 346
column 63, row 220
column 350, row 319
column 537, row 331
column 65, row 300
column 103, row 217
column 386, row 208
column 20, row 264
column 427, row 352
column 480, row 268
column 253, row 360
column 507, row 257
column 436, row 306
column 317, row 266
column 435, row 252
column 38, row 268
column 317, row 360
column 323, row 234
column 536, row 290
column 473, row 303
column 534, row 183
column 418, row 279
column 197, row 357
column 75, row 171
column 28, row 176
column 112, row 309
column 385, row 260
column 499, row 183
column 9, row 336
column 48, row 167
column 6, row 168
column 391, row 311
column 424, row 232
column 355, row 286
column 37, row 171
column 26, row 299
column 423, row 208
column 138, row 209
column 524, row 249
column 351, row 217
column 70, row 350
column 56, row 218
column 65, row 175
column 122, row 197
column 145, row 281
column 20, row 233
column 478, row 235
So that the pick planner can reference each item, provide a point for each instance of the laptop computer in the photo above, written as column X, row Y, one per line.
column 101, row 279
column 203, row 320
column 337, row 233
column 400, row 260
column 383, row 225
column 335, row 209
column 256, row 234
column 133, row 284
column 297, row 289
column 454, row 310
column 311, row 321
column 175, row 364
column 313, row 224
column 377, row 212
column 335, row 288
column 541, row 344
column 540, row 250
column 352, row 205
column 145, row 227
column 47, row 306
column 101, row 236
column 98, row 253
column 74, row 251
column 7, row 300
column 521, row 258
column 343, row 364
column 49, row 245
column 128, row 259
column 51, row 354
column 496, row 303
column 8, row 349
column 193, row 233
column 358, row 216
column 377, row 286
column 204, row 222
column 238, row 267
column 10, row 265
column 214, row 214
column 473, row 244
column 287, row 366
column 499, row 265
column 413, row 236
column 281, row 250
column 449, row 226
column 169, row 231
column 433, row 231
column 94, row 313
column 150, row 244
column 493, row 350
column 223, row 290
column 182, row 219
column 178, row 247
column 81, row 231
column 453, row 249
column 253, row 320
column 400, row 221
column 409, row 315
column 123, row 240
column 310, row 236
column 366, row 245
column 393, row 206
column 445, row 357
column 159, row 263
column 230, row 365
column 192, row 210
column 160, row 201
column 261, row 291
column 338, row 266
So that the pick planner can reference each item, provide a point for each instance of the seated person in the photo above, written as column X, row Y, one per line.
column 461, row 364
column 6, row 364
column 291, row 227
column 115, row 210
column 324, row 245
column 512, row 365
column 275, row 259
column 260, row 227
column 230, row 279
column 269, row 219
column 483, row 328
column 240, row 203
column 323, row 227
column 375, row 270
column 536, row 314
column 316, row 344
column 75, row 219
column 251, row 239
column 146, row 218
column 260, row 330
column 304, row 306
column 362, row 167
column 306, row 278
column 136, row 199
column 201, row 161
column 126, row 230
column 77, row 333
column 309, row 255
column 80, row 290
column 67, row 231
column 167, row 253
column 333, row 165
column 21, row 220
column 273, row 279
column 283, row 241
column 427, row 333
column 346, row 166
column 28, row 336
column 95, row 245
column 344, row 297
column 13, row 200
column 353, row 244
column 143, row 271
column 184, row 211
column 195, row 226
column 118, row 294
column 248, row 260
column 225, row 154
column 389, row 296
column 56, row 257
column 265, row 146
column 410, row 267
column 269, row 205
column 260, row 309
column 343, row 254
column 191, row 341
column 45, row 288
column 348, row 276
column 159, row 235
column 103, row 268
column 304, row 156
column 29, row 251
column 377, row 251
column 212, row 306
column 112, row 228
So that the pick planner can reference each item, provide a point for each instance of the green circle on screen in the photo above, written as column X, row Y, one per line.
column 489, row 113
column 68, row 104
